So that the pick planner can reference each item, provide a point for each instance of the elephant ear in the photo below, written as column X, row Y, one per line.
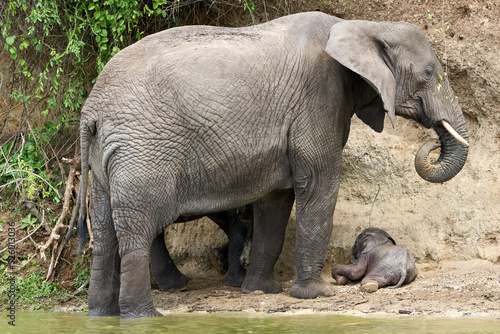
column 356, row 249
column 376, row 237
column 367, row 240
column 360, row 46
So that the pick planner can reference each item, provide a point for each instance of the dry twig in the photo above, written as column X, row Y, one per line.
column 54, row 235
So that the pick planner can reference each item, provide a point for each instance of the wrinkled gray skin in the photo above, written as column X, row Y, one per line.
column 377, row 260
column 200, row 119
column 232, row 257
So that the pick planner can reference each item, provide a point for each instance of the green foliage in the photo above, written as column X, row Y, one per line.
column 72, row 39
column 82, row 269
column 31, row 291
column 76, row 38
column 25, row 169
column 249, row 5
column 28, row 221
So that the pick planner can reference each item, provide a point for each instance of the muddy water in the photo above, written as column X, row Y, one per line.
column 48, row 322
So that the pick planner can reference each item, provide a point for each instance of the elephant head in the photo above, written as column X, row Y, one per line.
column 367, row 240
column 397, row 61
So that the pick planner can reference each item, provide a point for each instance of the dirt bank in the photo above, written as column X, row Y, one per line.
column 451, row 289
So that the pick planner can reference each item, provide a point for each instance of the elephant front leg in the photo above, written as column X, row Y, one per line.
column 240, row 236
column 163, row 267
column 270, row 216
column 315, row 205
column 310, row 255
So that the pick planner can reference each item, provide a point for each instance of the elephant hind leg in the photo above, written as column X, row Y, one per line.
column 136, row 230
column 369, row 285
column 231, row 258
column 163, row 268
column 135, row 291
column 270, row 219
column 104, row 286
column 381, row 277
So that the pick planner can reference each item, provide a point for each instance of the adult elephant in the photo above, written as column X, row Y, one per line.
column 204, row 119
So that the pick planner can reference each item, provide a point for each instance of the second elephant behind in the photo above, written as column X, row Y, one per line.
column 237, row 224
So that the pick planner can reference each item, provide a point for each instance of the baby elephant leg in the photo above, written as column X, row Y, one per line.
column 341, row 273
column 379, row 279
column 369, row 285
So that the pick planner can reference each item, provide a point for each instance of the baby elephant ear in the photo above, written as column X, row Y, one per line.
column 372, row 237
column 360, row 46
column 356, row 249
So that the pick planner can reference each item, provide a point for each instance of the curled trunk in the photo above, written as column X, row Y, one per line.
column 451, row 159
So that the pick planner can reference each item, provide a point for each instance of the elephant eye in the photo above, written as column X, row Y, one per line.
column 429, row 71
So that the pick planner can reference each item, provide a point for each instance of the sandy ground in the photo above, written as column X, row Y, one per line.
column 452, row 289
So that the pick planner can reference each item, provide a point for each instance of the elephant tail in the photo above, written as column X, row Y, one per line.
column 76, row 209
column 403, row 275
column 86, row 132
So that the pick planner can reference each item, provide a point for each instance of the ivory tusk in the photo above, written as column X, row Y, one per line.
column 452, row 131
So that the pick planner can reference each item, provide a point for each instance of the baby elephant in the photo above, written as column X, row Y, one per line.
column 376, row 257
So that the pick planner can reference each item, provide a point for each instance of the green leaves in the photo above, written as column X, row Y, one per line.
column 9, row 46
column 10, row 40
column 28, row 221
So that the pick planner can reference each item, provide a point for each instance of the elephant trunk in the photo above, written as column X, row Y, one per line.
column 453, row 142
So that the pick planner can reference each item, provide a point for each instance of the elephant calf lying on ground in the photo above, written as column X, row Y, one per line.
column 376, row 257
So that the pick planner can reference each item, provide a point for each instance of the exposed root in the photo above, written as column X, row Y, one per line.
column 54, row 235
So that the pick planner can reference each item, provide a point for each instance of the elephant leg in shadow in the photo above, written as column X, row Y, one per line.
column 233, row 256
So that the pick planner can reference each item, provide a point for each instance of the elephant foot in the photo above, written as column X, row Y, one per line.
column 219, row 260
column 369, row 286
column 99, row 312
column 178, row 283
column 235, row 279
column 250, row 285
column 101, row 303
column 340, row 280
column 137, row 314
column 312, row 290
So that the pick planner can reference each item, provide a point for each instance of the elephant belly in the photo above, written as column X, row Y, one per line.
column 233, row 190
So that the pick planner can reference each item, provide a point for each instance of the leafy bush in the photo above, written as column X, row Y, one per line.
column 27, row 170
column 31, row 291
column 75, row 38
